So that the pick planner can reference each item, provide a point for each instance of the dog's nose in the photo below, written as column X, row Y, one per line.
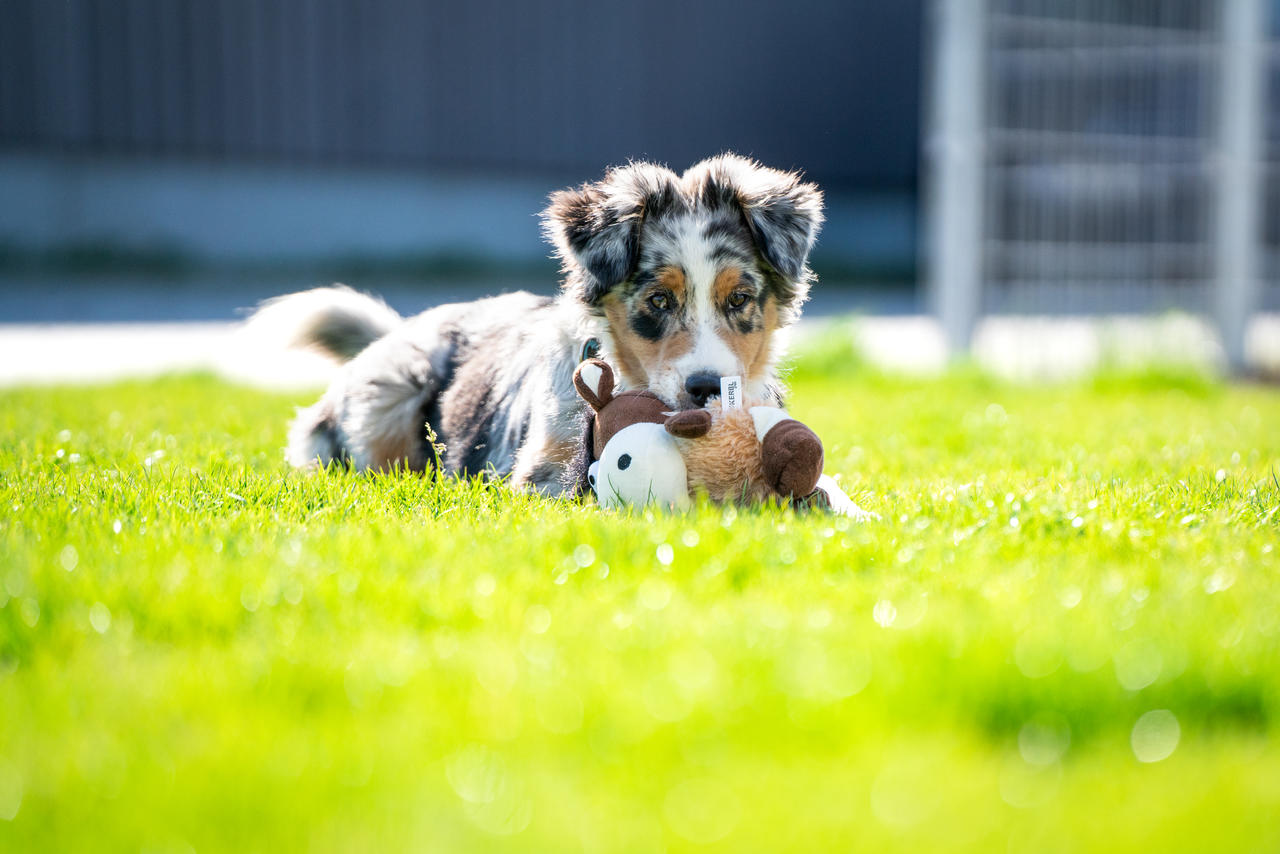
column 702, row 386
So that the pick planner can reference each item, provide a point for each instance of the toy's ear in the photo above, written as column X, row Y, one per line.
column 594, row 381
column 689, row 424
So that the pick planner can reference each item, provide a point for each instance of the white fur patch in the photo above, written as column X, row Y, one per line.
column 710, row 353
column 766, row 418
column 841, row 503
column 695, row 254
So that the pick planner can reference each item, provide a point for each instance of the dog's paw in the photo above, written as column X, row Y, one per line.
column 839, row 503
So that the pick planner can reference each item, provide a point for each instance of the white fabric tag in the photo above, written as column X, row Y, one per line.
column 731, row 392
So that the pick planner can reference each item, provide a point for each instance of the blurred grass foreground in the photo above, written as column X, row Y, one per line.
column 1063, row 634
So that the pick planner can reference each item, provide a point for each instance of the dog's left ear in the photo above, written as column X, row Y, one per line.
column 596, row 227
column 783, row 212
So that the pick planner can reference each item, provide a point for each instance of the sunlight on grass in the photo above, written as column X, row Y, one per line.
column 1063, row 634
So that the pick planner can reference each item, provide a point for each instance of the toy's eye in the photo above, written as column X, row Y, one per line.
column 660, row 302
column 591, row 479
column 624, row 462
column 738, row 299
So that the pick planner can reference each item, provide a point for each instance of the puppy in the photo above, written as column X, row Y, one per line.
column 675, row 280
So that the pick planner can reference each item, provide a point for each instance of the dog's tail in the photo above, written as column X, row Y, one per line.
column 337, row 321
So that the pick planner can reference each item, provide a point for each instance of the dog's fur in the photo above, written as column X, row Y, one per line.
column 674, row 275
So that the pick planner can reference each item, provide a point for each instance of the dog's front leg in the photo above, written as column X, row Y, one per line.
column 540, row 464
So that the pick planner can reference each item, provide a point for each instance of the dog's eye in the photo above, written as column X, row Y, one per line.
column 738, row 299
column 660, row 301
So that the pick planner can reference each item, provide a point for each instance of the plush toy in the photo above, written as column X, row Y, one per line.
column 642, row 452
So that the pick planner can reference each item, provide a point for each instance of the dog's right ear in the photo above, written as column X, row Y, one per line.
column 596, row 227
column 594, row 381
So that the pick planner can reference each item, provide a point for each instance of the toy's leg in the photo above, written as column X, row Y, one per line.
column 792, row 455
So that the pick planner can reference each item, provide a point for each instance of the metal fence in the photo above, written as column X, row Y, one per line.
column 1093, row 156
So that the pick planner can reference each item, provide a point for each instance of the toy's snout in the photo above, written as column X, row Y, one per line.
column 640, row 465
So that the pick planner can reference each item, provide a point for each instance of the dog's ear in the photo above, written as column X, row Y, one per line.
column 594, row 381
column 596, row 227
column 782, row 212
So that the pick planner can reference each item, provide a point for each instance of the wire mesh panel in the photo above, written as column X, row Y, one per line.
column 1101, row 156
column 1270, row 267
column 1099, row 184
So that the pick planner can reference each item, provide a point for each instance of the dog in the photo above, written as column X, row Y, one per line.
column 676, row 280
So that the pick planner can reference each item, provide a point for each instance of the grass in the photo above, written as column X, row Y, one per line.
column 1063, row 634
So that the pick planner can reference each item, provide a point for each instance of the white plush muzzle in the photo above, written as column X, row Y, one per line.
column 641, row 465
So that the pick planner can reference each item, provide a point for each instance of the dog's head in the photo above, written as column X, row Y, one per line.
column 693, row 273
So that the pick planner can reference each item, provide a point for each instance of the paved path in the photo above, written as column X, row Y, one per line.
column 83, row 329
column 1023, row 348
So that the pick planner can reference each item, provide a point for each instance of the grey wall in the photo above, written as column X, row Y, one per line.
column 563, row 86
column 279, row 130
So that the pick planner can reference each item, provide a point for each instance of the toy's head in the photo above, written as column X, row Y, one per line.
column 635, row 458
column 640, row 465
column 614, row 411
column 643, row 453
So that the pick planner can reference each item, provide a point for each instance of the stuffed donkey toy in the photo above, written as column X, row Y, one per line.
column 645, row 453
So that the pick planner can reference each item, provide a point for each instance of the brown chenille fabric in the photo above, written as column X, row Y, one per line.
column 623, row 410
column 721, row 450
column 616, row 411
column 792, row 458
column 689, row 424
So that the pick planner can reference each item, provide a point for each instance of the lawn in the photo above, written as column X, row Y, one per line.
column 1062, row 634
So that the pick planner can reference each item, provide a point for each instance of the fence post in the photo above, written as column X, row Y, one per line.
column 954, row 153
column 1237, row 233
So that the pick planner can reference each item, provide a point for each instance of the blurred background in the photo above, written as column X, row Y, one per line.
column 1034, row 181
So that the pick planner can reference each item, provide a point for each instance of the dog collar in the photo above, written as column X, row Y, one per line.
column 590, row 349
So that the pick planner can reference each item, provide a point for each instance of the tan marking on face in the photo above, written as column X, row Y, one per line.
column 672, row 279
column 754, row 348
column 727, row 281
column 637, row 357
